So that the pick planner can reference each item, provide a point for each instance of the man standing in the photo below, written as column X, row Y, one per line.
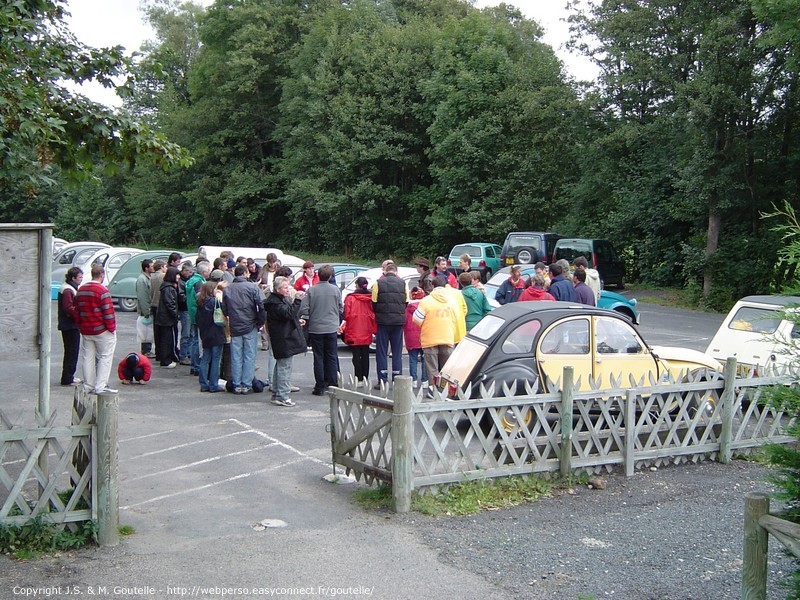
column 242, row 304
column 285, row 337
column 67, row 325
column 143, row 296
column 583, row 292
column 440, row 270
column 193, row 286
column 98, row 326
column 186, row 271
column 476, row 302
column 156, row 279
column 322, row 308
column 389, row 299
column 560, row 288
column 511, row 289
column 425, row 277
column 592, row 276
column 436, row 317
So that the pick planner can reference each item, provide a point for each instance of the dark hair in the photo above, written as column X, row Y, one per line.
column 439, row 281
column 132, row 360
column 308, row 265
column 540, row 265
column 284, row 271
column 146, row 263
column 240, row 259
column 218, row 262
column 465, row 279
column 556, row 269
column 158, row 265
column 325, row 272
column 250, row 261
column 239, row 270
column 171, row 275
column 206, row 291
column 72, row 273
column 174, row 256
column 580, row 261
column 361, row 283
column 580, row 275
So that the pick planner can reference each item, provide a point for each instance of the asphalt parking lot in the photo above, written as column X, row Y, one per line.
column 200, row 472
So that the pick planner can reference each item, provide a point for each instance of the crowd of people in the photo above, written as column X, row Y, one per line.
column 212, row 316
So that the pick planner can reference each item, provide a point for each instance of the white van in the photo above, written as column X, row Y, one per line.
column 257, row 254
column 756, row 334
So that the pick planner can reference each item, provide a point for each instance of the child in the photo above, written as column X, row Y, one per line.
column 212, row 336
column 411, row 333
column 134, row 368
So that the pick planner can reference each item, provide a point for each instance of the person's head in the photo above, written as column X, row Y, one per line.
column 516, row 270
column 423, row 265
column 308, row 269
column 580, row 262
column 465, row 279
column 74, row 274
column 555, row 269
column 476, row 277
column 174, row 259
column 465, row 262
column 204, row 268
column 439, row 281
column 206, row 291
column 391, row 268
column 325, row 273
column 132, row 360
column 171, row 275
column 540, row 267
column 187, row 270
column 281, row 286
column 241, row 260
column 147, row 266
column 284, row 271
column 231, row 264
column 417, row 293
column 159, row 266
column 537, row 281
column 98, row 272
column 239, row 270
column 226, row 254
column 579, row 276
column 220, row 264
column 440, row 263
column 361, row 283
column 272, row 259
column 216, row 275
column 564, row 264
column 252, row 267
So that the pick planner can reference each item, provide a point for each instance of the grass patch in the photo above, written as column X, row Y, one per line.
column 464, row 498
column 40, row 536
column 125, row 530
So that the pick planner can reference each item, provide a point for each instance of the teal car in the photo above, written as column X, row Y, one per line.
column 608, row 300
column 485, row 258
column 123, row 286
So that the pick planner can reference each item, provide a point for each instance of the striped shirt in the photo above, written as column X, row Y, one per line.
column 95, row 310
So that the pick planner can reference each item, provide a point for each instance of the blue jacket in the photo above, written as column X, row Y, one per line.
column 561, row 289
column 508, row 292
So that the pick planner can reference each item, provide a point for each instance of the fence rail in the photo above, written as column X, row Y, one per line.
column 696, row 419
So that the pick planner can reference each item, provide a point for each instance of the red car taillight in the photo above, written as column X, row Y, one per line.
column 449, row 264
column 482, row 263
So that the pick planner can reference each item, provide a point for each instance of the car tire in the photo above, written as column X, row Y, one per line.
column 507, row 422
column 128, row 304
column 526, row 256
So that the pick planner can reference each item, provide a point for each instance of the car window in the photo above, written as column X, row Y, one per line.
column 487, row 327
column 86, row 255
column 473, row 251
column 118, row 261
column 520, row 341
column 615, row 337
column 518, row 242
column 489, row 252
column 572, row 251
column 760, row 320
column 67, row 257
column 101, row 259
column 568, row 337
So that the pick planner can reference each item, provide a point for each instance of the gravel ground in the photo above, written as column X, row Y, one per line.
column 671, row 534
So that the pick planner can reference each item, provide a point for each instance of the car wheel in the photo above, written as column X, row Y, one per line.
column 526, row 256
column 508, row 422
column 128, row 304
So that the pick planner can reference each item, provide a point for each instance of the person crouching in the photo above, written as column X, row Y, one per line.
column 134, row 368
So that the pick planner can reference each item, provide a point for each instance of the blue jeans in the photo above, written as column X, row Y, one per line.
column 243, row 359
column 326, row 360
column 194, row 348
column 183, row 318
column 209, row 368
column 389, row 334
column 416, row 357
column 270, row 362
column 282, row 378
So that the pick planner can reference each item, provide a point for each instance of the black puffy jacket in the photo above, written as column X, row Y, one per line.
column 285, row 333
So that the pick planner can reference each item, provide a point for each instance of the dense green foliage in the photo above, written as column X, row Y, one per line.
column 400, row 127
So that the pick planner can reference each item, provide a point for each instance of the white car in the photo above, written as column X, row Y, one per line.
column 111, row 259
column 758, row 335
column 73, row 254
column 407, row 274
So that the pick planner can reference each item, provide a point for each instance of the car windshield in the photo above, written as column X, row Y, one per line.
column 487, row 327
column 473, row 251
column 760, row 320
column 573, row 251
column 521, row 241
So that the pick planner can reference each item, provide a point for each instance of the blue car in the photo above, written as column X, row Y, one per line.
column 609, row 300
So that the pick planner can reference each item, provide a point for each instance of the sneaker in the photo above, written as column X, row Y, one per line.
column 377, row 386
column 287, row 402
column 106, row 390
column 246, row 390
column 171, row 365
column 294, row 388
column 186, row 361
column 237, row 390
column 317, row 392
column 150, row 355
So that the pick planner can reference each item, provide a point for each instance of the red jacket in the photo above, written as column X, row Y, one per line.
column 359, row 319
column 94, row 309
column 411, row 330
column 302, row 284
column 534, row 293
column 144, row 362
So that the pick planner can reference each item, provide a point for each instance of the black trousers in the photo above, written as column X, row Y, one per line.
column 360, row 361
column 72, row 346
column 326, row 360
column 156, row 345
column 167, row 348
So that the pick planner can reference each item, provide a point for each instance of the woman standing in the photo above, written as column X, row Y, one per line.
column 358, row 327
column 212, row 336
column 167, row 319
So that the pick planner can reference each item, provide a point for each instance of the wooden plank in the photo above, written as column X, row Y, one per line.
column 786, row 532
column 39, row 433
column 364, row 433
column 19, row 305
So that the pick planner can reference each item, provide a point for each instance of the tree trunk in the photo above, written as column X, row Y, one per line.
column 712, row 242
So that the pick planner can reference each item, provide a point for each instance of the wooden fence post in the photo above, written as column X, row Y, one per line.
column 107, row 470
column 754, row 551
column 565, row 455
column 402, row 444
column 728, row 401
column 630, row 432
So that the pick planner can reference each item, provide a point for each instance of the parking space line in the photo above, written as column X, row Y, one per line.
column 187, row 444
column 213, row 484
column 279, row 443
column 149, row 435
column 199, row 462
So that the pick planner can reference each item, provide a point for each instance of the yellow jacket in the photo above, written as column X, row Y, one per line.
column 437, row 319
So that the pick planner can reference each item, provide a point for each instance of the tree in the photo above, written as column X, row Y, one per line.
column 43, row 125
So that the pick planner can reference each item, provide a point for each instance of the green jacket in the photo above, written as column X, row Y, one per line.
column 192, row 288
column 477, row 305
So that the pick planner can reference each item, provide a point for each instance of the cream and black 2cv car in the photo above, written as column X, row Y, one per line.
column 532, row 342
